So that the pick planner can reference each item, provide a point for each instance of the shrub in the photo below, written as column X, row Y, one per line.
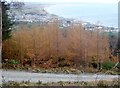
column 108, row 65
column 13, row 61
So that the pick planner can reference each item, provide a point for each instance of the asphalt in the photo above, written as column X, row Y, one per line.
column 20, row 76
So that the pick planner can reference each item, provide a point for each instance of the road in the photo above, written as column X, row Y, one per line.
column 51, row 77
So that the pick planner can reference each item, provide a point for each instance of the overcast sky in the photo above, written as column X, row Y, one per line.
column 65, row 1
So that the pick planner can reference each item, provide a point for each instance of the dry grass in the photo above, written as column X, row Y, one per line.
column 101, row 83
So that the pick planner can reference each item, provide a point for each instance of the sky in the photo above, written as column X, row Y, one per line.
column 70, row 1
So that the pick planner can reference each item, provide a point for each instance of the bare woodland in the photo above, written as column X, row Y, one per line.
column 51, row 47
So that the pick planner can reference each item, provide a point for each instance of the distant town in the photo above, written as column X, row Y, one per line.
column 32, row 13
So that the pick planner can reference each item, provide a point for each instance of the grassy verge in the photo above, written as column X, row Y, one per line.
column 65, row 70
column 60, row 70
column 61, row 83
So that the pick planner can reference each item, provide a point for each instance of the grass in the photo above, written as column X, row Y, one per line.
column 108, row 65
column 100, row 83
column 63, row 70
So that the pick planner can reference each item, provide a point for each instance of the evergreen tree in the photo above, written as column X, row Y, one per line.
column 6, row 21
column 119, row 46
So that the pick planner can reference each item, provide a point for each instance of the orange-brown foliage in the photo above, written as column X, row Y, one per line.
column 48, row 46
